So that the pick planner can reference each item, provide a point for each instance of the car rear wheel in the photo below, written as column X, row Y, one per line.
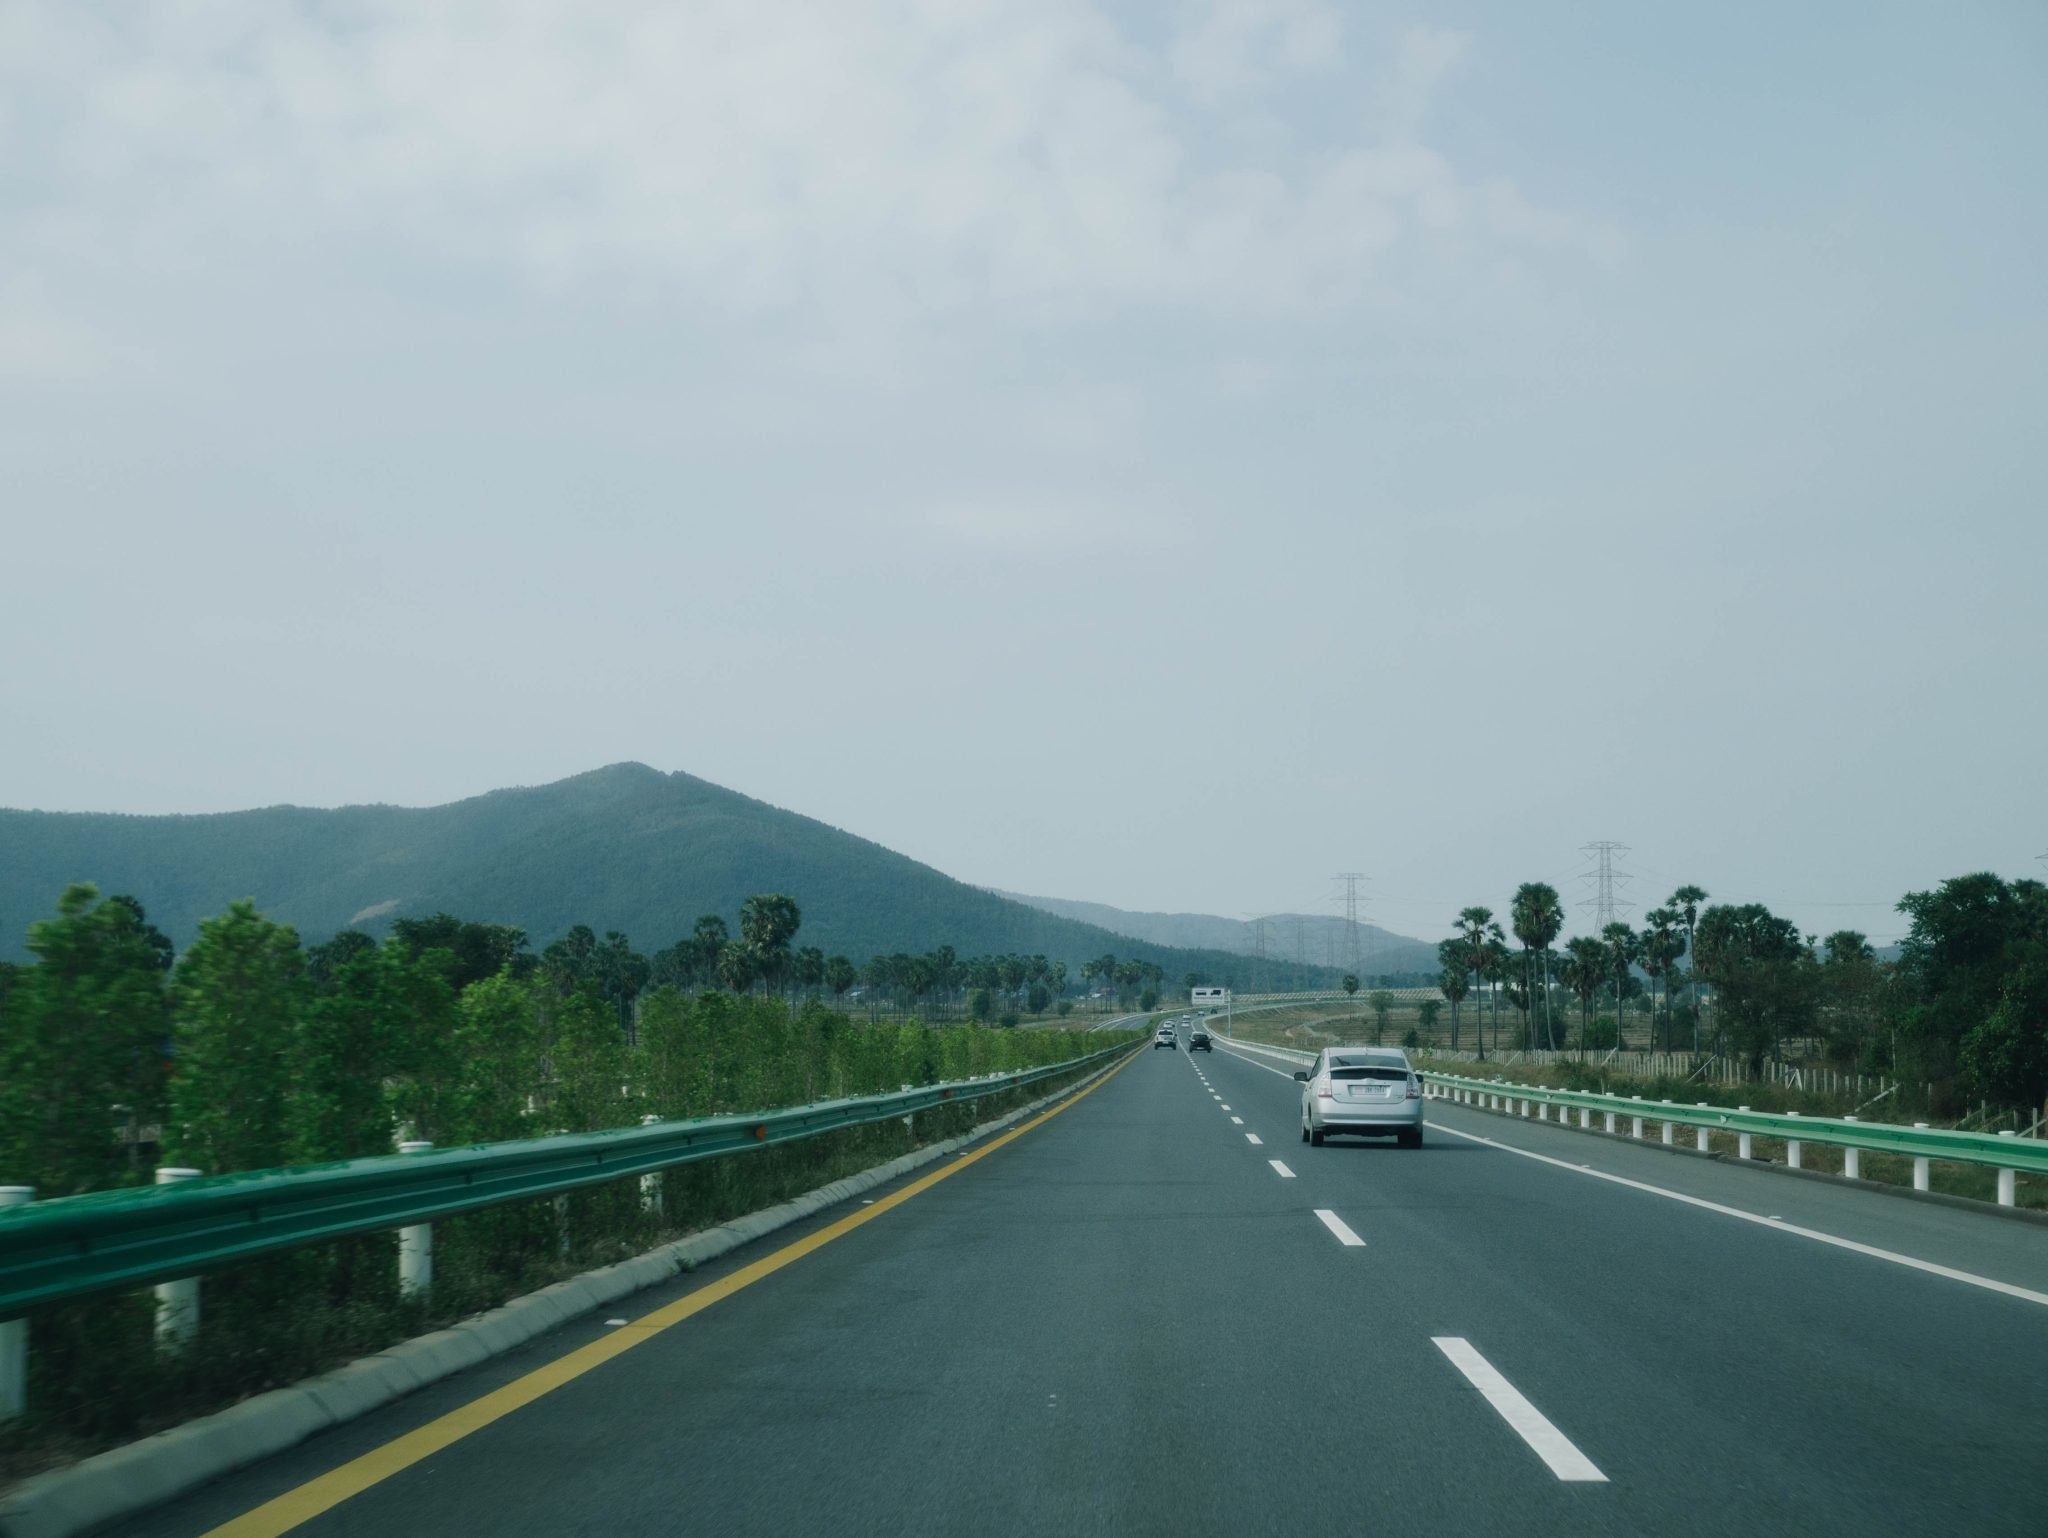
column 1412, row 1139
column 1315, row 1137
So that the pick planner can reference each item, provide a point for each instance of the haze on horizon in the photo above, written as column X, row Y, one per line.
column 1157, row 456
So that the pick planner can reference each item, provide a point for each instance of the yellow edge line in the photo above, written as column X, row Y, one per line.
column 289, row 1510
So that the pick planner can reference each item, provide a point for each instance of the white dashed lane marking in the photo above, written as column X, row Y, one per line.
column 1528, row 1422
column 1340, row 1228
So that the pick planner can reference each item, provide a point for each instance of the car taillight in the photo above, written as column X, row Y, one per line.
column 1414, row 1088
column 1322, row 1089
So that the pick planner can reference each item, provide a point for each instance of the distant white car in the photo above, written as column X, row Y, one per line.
column 1361, row 1092
column 1165, row 1037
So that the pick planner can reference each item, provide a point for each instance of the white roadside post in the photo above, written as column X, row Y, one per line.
column 1610, row 1122
column 1668, row 1127
column 415, row 1244
column 650, row 1183
column 1852, row 1160
column 14, row 1334
column 1635, row 1122
column 2007, row 1193
column 1792, row 1149
column 177, row 1303
column 1920, row 1166
column 1742, row 1143
column 1702, row 1140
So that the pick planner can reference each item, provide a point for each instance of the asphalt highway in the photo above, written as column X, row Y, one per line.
column 1160, row 1312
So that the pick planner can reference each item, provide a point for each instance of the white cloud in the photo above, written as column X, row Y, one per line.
column 863, row 159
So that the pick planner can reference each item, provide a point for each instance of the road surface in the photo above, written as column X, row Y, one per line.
column 1158, row 1312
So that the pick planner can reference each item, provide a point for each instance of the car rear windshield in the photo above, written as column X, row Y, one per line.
column 1375, row 1066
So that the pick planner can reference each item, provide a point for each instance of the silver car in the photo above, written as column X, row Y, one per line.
column 1361, row 1092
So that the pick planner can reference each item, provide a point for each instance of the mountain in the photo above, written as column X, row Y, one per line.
column 1318, row 937
column 625, row 847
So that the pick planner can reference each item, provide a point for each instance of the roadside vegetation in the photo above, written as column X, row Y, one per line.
column 251, row 1051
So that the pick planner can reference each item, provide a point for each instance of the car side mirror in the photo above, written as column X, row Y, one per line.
column 1303, row 1076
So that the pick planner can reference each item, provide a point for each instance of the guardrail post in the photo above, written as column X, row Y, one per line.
column 415, row 1244
column 1610, row 1122
column 1920, row 1166
column 177, row 1303
column 2007, row 1190
column 1668, row 1127
column 1635, row 1122
column 1852, row 1160
column 1792, row 1149
column 650, row 1183
column 1742, row 1142
column 14, row 1334
column 1701, row 1141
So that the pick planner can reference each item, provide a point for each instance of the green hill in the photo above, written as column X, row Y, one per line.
column 1310, row 934
column 625, row 847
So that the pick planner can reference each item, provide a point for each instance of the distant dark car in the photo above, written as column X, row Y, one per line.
column 1198, row 1041
column 1164, row 1037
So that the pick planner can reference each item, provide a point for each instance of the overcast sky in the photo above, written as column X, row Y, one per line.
column 1159, row 454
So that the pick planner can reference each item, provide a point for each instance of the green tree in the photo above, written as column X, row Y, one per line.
column 768, row 922
column 739, row 966
column 1350, row 985
column 82, row 1039
column 1756, row 962
column 1970, row 937
column 475, row 951
column 1662, row 945
column 1537, row 915
column 497, row 1039
column 1454, row 979
column 839, row 975
column 1620, row 943
column 1382, row 1003
column 1427, row 1012
column 1687, row 902
column 358, row 1043
column 240, row 992
column 1584, row 969
column 2005, row 1059
column 1475, row 925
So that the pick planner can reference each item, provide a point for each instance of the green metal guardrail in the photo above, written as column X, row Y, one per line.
column 2001, row 1151
column 75, row 1246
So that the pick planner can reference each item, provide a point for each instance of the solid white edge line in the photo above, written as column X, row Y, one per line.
column 1281, row 1170
column 2025, row 1294
column 1527, row 1422
column 1342, row 1229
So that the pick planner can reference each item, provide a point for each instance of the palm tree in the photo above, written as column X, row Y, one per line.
column 1659, row 956
column 1455, row 987
column 1688, row 900
column 1585, row 968
column 1473, row 924
column 1619, row 941
column 1498, row 965
column 1538, row 915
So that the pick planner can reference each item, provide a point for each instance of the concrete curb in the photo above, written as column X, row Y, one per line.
column 126, row 1480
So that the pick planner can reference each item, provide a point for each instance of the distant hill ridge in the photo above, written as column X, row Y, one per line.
column 1322, row 937
column 625, row 847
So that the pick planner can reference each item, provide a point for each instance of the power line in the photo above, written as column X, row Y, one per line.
column 1351, row 878
column 1605, row 876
